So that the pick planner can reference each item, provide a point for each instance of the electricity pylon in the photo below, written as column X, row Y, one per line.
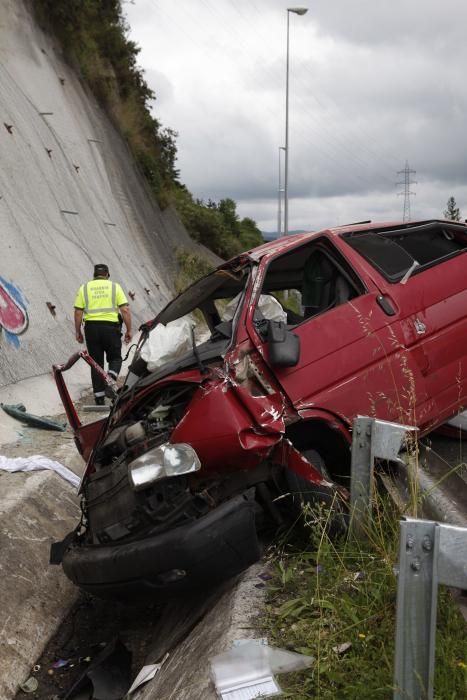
column 407, row 172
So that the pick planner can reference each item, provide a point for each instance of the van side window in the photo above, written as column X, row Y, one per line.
column 306, row 282
column 395, row 252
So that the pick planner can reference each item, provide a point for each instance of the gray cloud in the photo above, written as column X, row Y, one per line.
column 162, row 86
column 372, row 85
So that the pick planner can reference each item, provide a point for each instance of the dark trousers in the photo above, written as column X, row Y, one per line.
column 103, row 338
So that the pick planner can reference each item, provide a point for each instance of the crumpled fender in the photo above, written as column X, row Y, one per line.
column 267, row 411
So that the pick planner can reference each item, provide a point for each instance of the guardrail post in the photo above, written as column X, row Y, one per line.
column 416, row 610
column 361, row 477
column 371, row 438
column 430, row 554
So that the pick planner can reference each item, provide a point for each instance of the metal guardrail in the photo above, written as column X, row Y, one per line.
column 371, row 439
column 430, row 554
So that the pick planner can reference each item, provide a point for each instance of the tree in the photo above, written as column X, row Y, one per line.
column 250, row 235
column 452, row 212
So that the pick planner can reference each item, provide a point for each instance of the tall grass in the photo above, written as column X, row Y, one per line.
column 336, row 601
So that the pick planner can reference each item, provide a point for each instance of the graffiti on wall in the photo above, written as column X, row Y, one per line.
column 13, row 315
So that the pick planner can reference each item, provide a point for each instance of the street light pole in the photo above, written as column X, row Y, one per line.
column 279, row 196
column 296, row 11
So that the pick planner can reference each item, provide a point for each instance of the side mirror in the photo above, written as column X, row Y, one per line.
column 283, row 345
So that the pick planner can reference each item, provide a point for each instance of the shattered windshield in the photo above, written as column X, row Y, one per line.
column 222, row 284
column 197, row 323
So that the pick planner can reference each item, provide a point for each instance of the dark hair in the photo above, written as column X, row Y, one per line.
column 100, row 270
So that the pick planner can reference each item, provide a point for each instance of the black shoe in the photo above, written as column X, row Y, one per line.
column 100, row 400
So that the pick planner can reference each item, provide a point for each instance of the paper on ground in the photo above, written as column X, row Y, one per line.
column 29, row 464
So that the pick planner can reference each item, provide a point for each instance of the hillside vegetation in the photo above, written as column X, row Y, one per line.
column 93, row 35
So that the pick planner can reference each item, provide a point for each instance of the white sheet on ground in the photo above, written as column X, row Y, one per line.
column 29, row 464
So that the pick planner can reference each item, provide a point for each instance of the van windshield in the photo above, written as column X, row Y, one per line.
column 196, row 327
column 206, row 293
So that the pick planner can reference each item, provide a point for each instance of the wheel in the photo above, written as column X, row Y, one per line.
column 304, row 493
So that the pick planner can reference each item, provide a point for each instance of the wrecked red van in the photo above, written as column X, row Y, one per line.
column 366, row 319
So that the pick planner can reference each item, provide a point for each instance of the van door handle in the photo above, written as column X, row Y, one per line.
column 386, row 305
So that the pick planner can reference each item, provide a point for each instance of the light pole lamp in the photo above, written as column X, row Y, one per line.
column 296, row 11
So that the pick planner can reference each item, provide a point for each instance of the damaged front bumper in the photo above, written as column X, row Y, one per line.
column 199, row 554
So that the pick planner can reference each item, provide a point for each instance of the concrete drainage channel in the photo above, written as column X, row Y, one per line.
column 190, row 631
column 41, row 605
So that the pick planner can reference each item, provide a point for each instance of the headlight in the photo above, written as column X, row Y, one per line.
column 165, row 460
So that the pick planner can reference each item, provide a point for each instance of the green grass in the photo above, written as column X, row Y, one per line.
column 94, row 37
column 191, row 268
column 325, row 594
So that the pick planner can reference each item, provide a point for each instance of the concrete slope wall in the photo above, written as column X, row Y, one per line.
column 70, row 196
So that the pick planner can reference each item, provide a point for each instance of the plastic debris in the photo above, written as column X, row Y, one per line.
column 247, row 670
column 60, row 663
column 29, row 686
column 246, row 640
column 342, row 648
column 265, row 576
column 18, row 411
column 146, row 674
column 107, row 677
column 36, row 668
column 29, row 464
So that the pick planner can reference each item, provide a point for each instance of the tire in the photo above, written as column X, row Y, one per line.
column 304, row 493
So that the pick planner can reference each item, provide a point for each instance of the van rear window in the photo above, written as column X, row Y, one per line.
column 393, row 253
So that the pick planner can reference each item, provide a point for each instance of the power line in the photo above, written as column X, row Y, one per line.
column 407, row 172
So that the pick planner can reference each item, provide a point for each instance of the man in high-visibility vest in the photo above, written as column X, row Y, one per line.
column 101, row 303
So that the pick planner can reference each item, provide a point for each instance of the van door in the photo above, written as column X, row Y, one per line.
column 432, row 297
column 352, row 356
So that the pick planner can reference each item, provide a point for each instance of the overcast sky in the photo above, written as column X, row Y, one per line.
column 373, row 84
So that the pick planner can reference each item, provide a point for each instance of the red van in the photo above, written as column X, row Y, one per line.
column 366, row 319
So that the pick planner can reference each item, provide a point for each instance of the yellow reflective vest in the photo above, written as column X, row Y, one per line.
column 100, row 300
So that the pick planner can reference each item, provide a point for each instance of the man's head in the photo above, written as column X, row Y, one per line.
column 101, row 271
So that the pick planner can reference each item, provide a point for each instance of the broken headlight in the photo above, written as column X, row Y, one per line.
column 165, row 460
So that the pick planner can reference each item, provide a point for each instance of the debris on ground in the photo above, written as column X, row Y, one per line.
column 29, row 686
column 108, row 675
column 84, row 634
column 342, row 648
column 18, row 411
column 247, row 670
column 146, row 674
